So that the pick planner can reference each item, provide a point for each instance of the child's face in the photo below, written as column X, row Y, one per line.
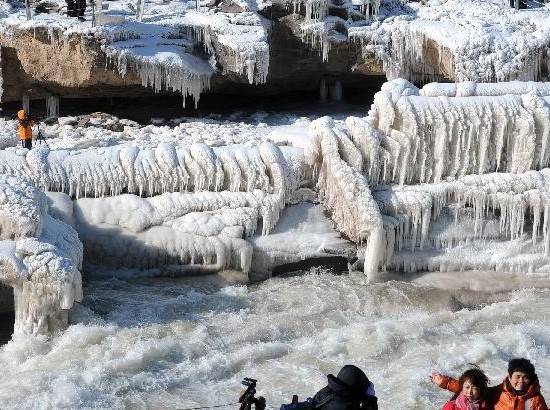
column 470, row 391
column 519, row 380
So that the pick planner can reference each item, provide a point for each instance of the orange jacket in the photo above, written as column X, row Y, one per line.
column 24, row 129
column 503, row 397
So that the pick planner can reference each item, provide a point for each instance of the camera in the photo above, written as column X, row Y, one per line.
column 247, row 398
column 247, row 381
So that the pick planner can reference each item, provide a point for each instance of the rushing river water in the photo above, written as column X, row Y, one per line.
column 165, row 343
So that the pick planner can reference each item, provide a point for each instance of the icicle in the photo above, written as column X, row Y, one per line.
column 52, row 106
column 140, row 8
column 26, row 102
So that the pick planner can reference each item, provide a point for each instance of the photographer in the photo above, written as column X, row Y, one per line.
column 25, row 128
column 350, row 390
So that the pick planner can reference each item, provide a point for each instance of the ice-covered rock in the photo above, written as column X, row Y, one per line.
column 41, row 257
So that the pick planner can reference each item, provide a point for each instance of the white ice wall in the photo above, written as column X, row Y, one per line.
column 204, row 229
column 429, row 139
column 111, row 170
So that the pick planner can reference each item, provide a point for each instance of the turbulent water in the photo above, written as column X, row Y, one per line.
column 164, row 343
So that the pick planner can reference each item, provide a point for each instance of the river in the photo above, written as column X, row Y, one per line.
column 168, row 343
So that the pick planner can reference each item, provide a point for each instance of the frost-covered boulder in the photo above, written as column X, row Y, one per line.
column 40, row 258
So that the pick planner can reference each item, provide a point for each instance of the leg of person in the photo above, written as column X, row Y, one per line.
column 27, row 143
column 81, row 7
column 71, row 8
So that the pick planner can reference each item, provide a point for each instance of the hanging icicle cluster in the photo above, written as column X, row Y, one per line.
column 170, row 68
column 429, row 139
column 146, row 172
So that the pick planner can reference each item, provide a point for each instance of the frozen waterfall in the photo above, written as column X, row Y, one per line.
column 447, row 177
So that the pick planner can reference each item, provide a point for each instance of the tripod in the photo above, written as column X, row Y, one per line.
column 40, row 137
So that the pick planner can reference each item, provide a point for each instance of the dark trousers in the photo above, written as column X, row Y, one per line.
column 80, row 7
column 76, row 8
column 522, row 4
column 27, row 143
column 71, row 8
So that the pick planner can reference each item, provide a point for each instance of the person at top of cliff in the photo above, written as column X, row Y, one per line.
column 520, row 389
column 76, row 8
column 472, row 394
column 25, row 128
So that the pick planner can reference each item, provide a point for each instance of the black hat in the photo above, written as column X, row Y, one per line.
column 350, row 379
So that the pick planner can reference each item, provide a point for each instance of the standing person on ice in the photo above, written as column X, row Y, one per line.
column 520, row 389
column 25, row 128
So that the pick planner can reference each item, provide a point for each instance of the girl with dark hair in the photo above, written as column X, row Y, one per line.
column 473, row 384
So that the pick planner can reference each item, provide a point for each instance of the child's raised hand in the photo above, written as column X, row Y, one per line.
column 436, row 377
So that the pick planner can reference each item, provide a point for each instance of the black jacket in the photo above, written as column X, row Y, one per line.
column 328, row 399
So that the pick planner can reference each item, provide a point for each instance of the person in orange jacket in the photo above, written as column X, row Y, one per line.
column 473, row 392
column 520, row 390
column 25, row 128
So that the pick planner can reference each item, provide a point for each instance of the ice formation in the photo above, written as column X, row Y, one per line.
column 448, row 137
column 419, row 164
column 98, row 172
column 52, row 106
column 169, row 67
column 165, row 57
column 428, row 176
column 345, row 192
column 427, row 172
column 204, row 230
column 40, row 257
column 497, row 45
column 227, row 189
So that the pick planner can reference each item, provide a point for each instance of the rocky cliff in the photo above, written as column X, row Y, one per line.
column 264, row 48
column 48, row 58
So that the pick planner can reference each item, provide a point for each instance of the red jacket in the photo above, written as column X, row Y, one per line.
column 503, row 397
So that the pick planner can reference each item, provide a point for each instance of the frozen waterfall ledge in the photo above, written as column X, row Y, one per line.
column 40, row 258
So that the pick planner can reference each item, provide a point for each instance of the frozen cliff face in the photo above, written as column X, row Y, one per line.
column 189, row 47
column 40, row 257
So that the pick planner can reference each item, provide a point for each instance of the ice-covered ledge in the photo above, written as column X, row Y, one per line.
column 40, row 258
column 303, row 232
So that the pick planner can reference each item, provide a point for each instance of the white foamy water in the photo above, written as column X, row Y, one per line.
column 182, row 343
